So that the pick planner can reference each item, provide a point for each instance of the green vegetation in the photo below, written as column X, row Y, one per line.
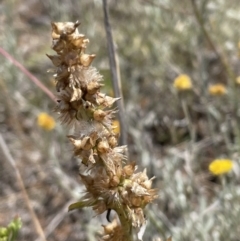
column 10, row 232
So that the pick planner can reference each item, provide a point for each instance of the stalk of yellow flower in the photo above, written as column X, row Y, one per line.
column 109, row 182
column 183, row 83
column 190, row 125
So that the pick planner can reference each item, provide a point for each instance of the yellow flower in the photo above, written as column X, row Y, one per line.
column 217, row 89
column 220, row 166
column 116, row 126
column 238, row 80
column 46, row 121
column 182, row 82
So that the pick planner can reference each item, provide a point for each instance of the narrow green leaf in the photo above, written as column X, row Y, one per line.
column 77, row 205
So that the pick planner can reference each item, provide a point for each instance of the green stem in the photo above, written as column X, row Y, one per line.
column 125, row 223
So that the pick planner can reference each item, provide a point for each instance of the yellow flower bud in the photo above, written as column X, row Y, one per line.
column 46, row 121
column 99, row 115
column 217, row 89
column 182, row 82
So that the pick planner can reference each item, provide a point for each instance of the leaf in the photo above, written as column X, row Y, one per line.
column 77, row 205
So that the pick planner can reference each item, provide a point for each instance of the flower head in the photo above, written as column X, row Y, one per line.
column 220, row 166
column 46, row 121
column 182, row 82
column 217, row 89
column 238, row 80
column 116, row 126
column 109, row 182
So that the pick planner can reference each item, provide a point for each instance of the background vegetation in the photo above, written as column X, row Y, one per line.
column 174, row 134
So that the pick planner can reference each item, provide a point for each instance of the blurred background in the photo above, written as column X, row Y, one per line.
column 179, row 63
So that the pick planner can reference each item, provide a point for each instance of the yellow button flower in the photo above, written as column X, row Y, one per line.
column 116, row 126
column 182, row 82
column 217, row 89
column 220, row 166
column 238, row 80
column 46, row 121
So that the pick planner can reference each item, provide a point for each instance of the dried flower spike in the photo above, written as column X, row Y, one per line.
column 109, row 182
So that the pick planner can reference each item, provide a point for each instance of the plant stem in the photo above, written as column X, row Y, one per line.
column 115, row 75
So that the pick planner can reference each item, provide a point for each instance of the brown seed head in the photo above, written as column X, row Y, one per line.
column 93, row 87
column 86, row 59
column 77, row 143
column 76, row 40
column 99, row 115
column 87, row 143
column 108, row 229
column 56, row 60
column 114, row 181
column 129, row 169
column 103, row 146
column 112, row 141
column 64, row 28
column 76, row 94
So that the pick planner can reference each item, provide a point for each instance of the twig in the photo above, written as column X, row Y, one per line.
column 10, row 159
column 115, row 76
column 26, row 72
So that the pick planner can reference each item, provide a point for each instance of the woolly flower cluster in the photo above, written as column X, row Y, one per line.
column 110, row 183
